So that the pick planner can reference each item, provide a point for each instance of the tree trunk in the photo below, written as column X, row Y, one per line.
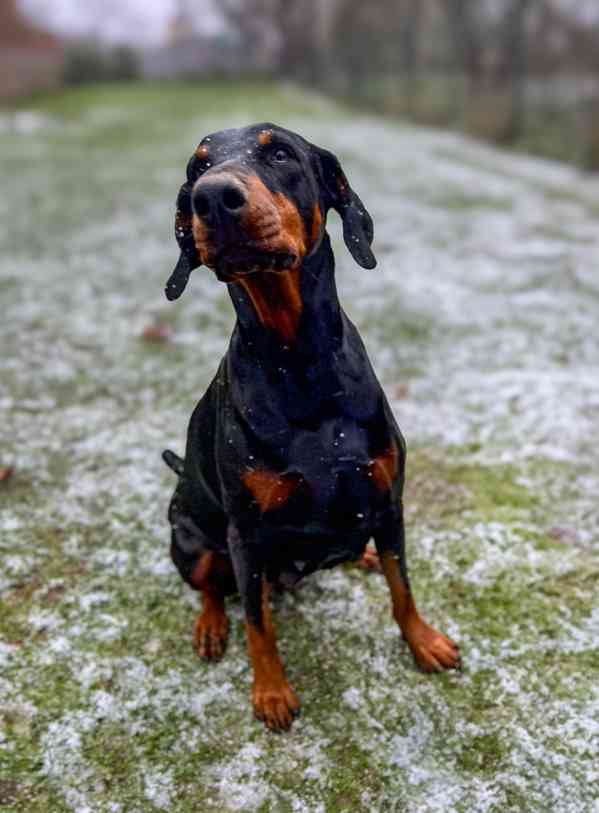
column 515, row 63
column 464, row 27
column 409, row 36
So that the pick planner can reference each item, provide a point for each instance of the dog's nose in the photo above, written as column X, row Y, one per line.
column 212, row 197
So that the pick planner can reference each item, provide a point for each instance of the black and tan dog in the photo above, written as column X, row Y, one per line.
column 294, row 460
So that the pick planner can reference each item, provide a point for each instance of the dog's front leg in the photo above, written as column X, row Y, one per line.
column 432, row 650
column 273, row 699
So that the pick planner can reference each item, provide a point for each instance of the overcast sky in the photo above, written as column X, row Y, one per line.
column 134, row 21
column 144, row 21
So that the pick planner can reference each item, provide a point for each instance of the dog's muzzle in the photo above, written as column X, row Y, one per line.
column 219, row 199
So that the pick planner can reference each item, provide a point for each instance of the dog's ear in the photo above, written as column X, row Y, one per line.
column 188, row 259
column 358, row 229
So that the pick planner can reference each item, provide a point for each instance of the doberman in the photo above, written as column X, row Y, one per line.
column 294, row 460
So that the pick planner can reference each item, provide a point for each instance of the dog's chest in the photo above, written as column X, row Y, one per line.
column 306, row 440
column 334, row 477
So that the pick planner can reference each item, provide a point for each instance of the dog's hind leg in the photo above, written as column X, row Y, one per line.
column 273, row 699
column 207, row 571
column 432, row 650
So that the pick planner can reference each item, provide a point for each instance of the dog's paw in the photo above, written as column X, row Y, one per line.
column 369, row 561
column 210, row 634
column 433, row 651
column 275, row 705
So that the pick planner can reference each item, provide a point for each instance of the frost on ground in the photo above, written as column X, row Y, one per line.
column 482, row 323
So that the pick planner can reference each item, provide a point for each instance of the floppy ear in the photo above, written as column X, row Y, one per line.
column 188, row 259
column 358, row 229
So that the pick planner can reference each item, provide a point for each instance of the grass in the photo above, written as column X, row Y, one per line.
column 104, row 705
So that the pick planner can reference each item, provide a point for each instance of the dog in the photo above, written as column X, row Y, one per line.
column 294, row 460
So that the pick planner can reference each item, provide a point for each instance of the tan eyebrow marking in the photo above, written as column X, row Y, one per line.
column 265, row 137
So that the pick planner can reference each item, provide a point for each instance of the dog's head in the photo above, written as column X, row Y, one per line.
column 256, row 200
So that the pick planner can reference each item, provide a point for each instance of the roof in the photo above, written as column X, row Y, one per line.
column 16, row 32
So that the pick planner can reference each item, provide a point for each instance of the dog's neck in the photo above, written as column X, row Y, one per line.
column 296, row 310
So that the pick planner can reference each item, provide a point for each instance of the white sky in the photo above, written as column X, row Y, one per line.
column 144, row 22
column 585, row 10
column 139, row 22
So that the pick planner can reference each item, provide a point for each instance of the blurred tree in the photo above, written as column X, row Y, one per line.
column 481, row 63
column 410, row 12
column 366, row 42
column 84, row 63
column 124, row 63
column 491, row 45
column 410, row 22
column 250, row 19
column 466, row 30
column 90, row 62
column 285, row 27
column 514, row 64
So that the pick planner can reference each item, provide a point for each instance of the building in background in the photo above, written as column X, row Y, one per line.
column 30, row 58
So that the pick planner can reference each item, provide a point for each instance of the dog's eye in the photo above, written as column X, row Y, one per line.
column 281, row 155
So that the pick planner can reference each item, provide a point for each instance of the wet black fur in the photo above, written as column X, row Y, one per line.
column 312, row 408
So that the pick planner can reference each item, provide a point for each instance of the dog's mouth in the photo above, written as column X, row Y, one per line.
column 230, row 264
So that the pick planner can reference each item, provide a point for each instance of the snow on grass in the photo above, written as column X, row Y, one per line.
column 25, row 122
column 481, row 321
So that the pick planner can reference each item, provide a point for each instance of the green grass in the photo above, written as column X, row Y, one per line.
column 179, row 100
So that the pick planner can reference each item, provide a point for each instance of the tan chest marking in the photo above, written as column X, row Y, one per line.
column 277, row 300
column 271, row 490
column 384, row 469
